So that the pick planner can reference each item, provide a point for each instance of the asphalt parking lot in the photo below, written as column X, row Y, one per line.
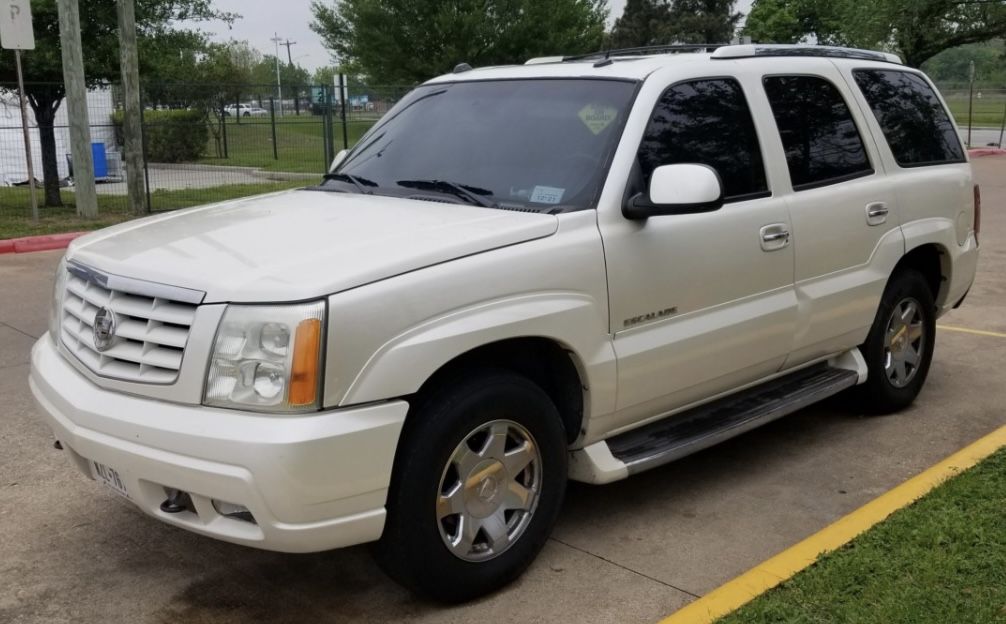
column 629, row 552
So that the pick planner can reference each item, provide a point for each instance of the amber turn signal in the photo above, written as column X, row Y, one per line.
column 304, row 374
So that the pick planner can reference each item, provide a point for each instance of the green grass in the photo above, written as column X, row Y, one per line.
column 988, row 111
column 300, row 143
column 15, row 207
column 941, row 560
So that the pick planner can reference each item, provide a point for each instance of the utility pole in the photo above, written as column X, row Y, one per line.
column 296, row 88
column 76, row 108
column 279, row 87
column 132, row 123
column 289, row 57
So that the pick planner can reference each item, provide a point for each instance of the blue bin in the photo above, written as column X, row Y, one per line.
column 100, row 160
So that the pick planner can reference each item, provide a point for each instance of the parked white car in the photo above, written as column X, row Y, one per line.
column 578, row 268
column 245, row 110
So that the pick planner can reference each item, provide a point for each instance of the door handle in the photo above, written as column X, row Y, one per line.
column 774, row 237
column 876, row 213
column 768, row 238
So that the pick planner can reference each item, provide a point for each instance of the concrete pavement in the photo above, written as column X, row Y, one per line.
column 627, row 552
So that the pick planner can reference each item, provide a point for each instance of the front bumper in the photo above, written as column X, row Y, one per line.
column 312, row 482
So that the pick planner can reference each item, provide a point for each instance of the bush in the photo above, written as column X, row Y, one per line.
column 172, row 136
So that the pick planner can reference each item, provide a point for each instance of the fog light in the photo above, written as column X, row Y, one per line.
column 232, row 510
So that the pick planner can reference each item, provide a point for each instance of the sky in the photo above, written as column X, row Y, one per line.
column 290, row 19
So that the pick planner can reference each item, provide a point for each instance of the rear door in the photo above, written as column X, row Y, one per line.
column 843, row 208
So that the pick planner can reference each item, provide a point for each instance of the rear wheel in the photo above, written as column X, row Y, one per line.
column 900, row 346
column 478, row 483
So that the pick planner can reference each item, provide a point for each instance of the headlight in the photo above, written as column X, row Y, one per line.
column 267, row 358
column 56, row 305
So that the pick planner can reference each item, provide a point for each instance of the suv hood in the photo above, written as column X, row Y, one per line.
column 301, row 244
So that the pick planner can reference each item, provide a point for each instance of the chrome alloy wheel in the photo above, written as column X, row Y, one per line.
column 489, row 490
column 904, row 342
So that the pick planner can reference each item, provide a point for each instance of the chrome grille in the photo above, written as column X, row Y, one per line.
column 149, row 334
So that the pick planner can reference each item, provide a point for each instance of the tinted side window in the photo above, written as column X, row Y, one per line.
column 706, row 122
column 818, row 133
column 914, row 121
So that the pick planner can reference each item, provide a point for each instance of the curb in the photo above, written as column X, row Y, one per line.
column 737, row 592
column 45, row 242
column 979, row 152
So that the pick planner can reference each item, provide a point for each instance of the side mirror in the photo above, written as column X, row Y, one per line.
column 677, row 189
column 341, row 156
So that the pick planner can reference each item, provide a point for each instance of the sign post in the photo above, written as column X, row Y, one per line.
column 16, row 34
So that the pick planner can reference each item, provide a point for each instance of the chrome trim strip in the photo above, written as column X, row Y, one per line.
column 135, row 286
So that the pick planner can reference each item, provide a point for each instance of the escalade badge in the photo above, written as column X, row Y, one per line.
column 104, row 329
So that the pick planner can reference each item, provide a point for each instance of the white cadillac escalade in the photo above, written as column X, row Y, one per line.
column 575, row 268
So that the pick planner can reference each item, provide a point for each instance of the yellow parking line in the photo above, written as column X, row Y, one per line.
column 768, row 574
column 977, row 332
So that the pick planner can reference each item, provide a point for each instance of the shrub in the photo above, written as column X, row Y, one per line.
column 172, row 136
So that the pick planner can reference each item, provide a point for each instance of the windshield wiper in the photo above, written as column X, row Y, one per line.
column 356, row 181
column 471, row 194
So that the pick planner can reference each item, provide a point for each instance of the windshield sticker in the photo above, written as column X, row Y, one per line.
column 547, row 195
column 597, row 117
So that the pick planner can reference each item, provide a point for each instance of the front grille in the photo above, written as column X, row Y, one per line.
column 149, row 335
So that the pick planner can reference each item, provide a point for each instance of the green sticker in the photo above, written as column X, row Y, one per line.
column 597, row 117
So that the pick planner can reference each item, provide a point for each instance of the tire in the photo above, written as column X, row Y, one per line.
column 893, row 381
column 246, row 114
column 414, row 549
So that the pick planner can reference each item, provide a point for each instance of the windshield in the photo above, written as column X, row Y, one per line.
column 527, row 144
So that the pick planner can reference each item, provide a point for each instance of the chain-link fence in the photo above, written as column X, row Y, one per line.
column 202, row 143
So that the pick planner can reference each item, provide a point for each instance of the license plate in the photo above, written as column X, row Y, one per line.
column 109, row 477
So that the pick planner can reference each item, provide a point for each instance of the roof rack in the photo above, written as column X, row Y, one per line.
column 731, row 51
column 759, row 49
column 647, row 50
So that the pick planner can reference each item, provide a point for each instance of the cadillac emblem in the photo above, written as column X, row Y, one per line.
column 104, row 329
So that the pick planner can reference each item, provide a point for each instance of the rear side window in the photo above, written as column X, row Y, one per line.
column 707, row 122
column 822, row 143
column 916, row 125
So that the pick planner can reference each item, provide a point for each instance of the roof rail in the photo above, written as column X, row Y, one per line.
column 760, row 49
column 647, row 50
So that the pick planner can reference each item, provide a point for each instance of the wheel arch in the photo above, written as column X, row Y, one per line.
column 933, row 262
column 552, row 366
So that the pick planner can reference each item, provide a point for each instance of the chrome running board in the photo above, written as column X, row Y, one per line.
column 683, row 434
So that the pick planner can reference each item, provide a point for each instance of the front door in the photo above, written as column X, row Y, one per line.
column 700, row 303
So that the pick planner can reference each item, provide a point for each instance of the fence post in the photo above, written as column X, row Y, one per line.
column 272, row 115
column 146, row 168
column 344, row 99
column 1002, row 129
column 326, row 125
column 237, row 107
column 223, row 128
column 971, row 101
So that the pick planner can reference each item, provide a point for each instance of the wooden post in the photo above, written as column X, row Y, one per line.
column 76, row 106
column 132, row 126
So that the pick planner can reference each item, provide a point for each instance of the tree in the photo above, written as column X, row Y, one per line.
column 642, row 23
column 657, row 22
column 408, row 41
column 43, row 66
column 703, row 21
column 264, row 73
column 325, row 76
column 953, row 65
column 916, row 30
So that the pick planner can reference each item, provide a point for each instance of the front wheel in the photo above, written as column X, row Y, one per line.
column 478, row 483
column 900, row 345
